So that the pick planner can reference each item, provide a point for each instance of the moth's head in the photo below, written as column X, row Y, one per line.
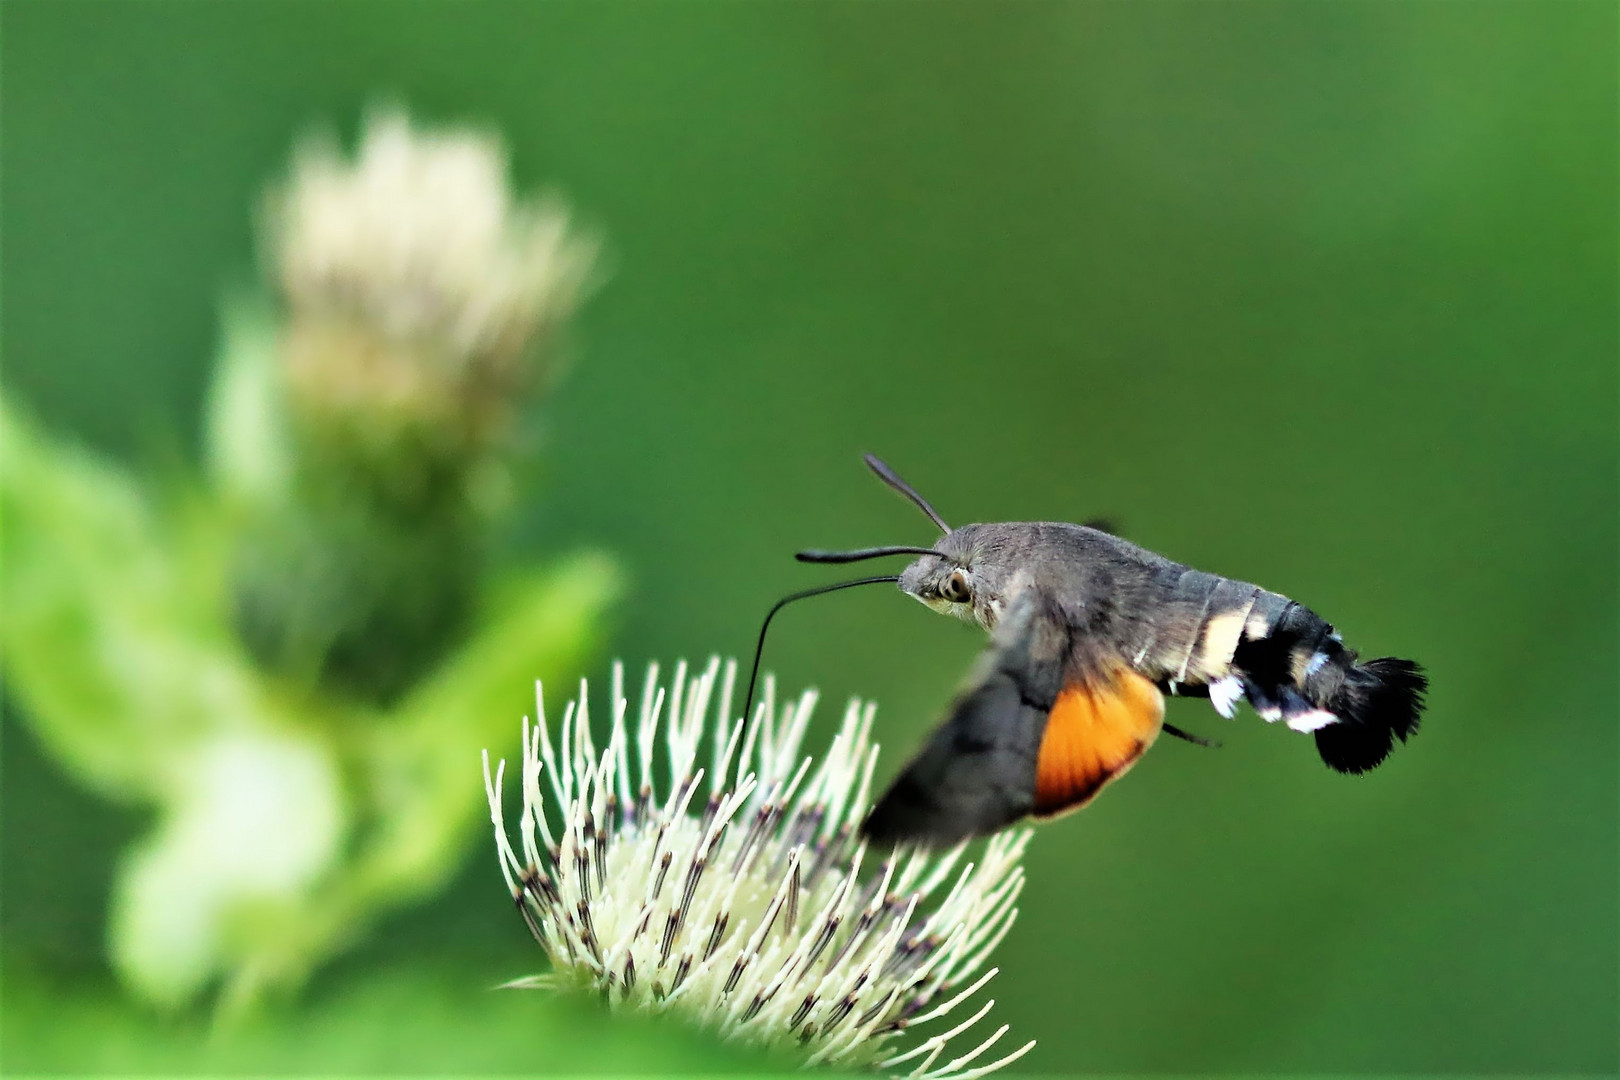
column 942, row 581
column 960, row 575
column 963, row 578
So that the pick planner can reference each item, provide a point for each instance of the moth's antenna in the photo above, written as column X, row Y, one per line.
column 892, row 478
column 861, row 554
column 759, row 647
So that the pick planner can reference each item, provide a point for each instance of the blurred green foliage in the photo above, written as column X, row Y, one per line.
column 117, row 642
column 1320, row 296
column 291, row 662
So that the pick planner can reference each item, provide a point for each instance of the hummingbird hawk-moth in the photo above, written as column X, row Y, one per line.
column 1089, row 633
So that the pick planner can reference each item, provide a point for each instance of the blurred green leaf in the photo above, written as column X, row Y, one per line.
column 246, row 447
column 408, row 1020
column 111, row 639
column 542, row 627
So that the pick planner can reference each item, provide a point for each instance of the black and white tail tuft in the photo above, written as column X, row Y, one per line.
column 1380, row 701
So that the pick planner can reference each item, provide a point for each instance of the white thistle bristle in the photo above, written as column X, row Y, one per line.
column 744, row 909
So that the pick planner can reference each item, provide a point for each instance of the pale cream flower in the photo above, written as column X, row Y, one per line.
column 418, row 288
column 746, row 910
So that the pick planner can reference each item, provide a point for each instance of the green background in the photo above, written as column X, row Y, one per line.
column 1320, row 296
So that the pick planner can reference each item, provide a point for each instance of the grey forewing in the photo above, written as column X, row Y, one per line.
column 976, row 773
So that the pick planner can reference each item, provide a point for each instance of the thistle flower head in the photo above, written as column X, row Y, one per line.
column 727, row 884
column 418, row 287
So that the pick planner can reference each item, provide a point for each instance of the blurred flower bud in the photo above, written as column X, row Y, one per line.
column 419, row 301
column 421, row 298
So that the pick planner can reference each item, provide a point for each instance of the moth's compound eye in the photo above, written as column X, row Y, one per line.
column 955, row 588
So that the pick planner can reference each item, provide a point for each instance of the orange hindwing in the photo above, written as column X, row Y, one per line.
column 1094, row 734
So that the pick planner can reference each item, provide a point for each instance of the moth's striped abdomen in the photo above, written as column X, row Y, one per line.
column 1232, row 640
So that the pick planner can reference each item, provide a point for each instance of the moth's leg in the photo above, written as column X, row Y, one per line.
column 1196, row 740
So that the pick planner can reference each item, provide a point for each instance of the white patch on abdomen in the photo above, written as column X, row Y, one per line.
column 1315, row 720
column 1225, row 693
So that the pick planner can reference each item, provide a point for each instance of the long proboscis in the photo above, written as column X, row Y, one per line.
column 862, row 554
column 759, row 646
column 892, row 478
